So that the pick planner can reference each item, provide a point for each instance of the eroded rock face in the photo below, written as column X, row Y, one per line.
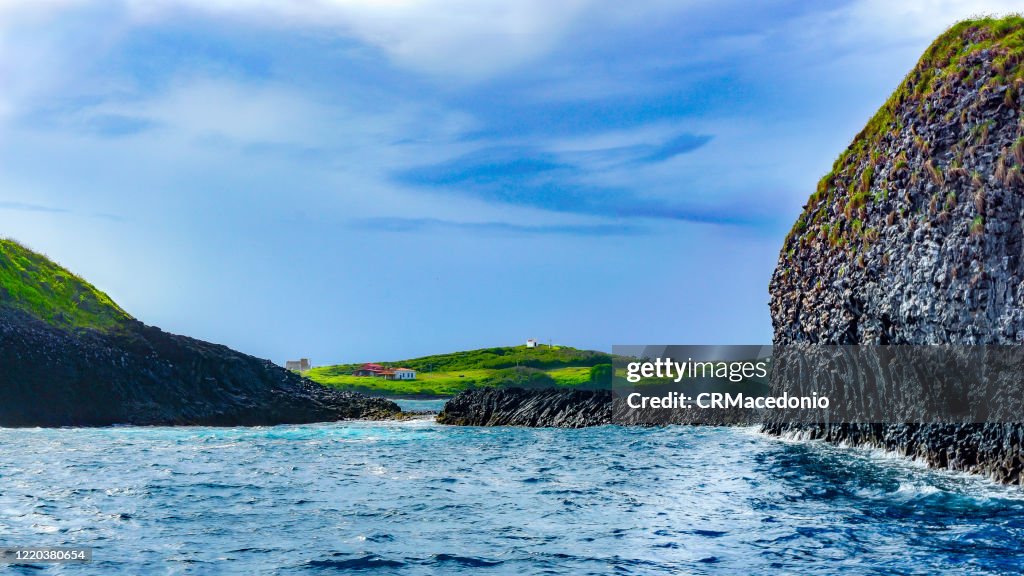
column 561, row 408
column 917, row 235
column 534, row 408
column 992, row 450
column 141, row 375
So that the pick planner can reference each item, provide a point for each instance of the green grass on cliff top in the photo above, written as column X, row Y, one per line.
column 1003, row 38
column 449, row 374
column 35, row 284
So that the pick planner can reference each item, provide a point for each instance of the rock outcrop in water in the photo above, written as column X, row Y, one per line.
column 70, row 357
column 916, row 236
column 534, row 408
column 567, row 408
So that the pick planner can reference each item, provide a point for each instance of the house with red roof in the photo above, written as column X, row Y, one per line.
column 380, row 371
column 369, row 370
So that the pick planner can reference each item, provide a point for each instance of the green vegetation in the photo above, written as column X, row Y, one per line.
column 952, row 58
column 425, row 384
column 541, row 357
column 449, row 374
column 977, row 226
column 602, row 374
column 572, row 377
column 935, row 172
column 33, row 283
column 950, row 200
column 866, row 175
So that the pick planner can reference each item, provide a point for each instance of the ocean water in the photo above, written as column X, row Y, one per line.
column 420, row 405
column 418, row 498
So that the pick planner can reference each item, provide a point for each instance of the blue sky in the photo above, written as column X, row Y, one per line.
column 353, row 180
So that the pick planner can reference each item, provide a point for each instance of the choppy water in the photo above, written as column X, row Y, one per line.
column 418, row 498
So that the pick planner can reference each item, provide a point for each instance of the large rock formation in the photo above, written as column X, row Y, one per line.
column 916, row 237
column 573, row 408
column 70, row 357
column 556, row 408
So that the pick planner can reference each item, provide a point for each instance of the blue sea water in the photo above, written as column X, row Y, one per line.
column 418, row 498
column 418, row 405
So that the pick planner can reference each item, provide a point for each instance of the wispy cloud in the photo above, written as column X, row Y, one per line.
column 455, row 38
column 109, row 217
column 504, row 228
column 43, row 209
column 118, row 125
column 27, row 207
column 681, row 144
column 241, row 132
column 563, row 182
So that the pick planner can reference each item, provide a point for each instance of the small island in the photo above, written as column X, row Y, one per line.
column 445, row 375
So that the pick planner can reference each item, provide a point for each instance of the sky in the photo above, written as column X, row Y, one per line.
column 356, row 180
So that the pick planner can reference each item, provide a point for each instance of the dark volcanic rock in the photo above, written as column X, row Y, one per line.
column 916, row 236
column 142, row 375
column 560, row 408
column 993, row 450
column 536, row 408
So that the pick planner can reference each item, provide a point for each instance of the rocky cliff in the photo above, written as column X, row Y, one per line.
column 70, row 357
column 916, row 236
column 569, row 408
column 535, row 408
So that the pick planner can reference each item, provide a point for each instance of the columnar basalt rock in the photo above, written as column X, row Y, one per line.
column 144, row 376
column 916, row 236
column 552, row 408
column 572, row 408
column 69, row 356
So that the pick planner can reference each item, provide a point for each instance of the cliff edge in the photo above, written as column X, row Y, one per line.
column 71, row 357
column 916, row 236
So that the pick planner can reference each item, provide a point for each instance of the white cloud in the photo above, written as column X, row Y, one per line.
column 470, row 39
column 464, row 39
column 44, row 44
column 923, row 18
column 892, row 22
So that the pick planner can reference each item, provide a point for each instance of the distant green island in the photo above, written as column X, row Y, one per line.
column 444, row 375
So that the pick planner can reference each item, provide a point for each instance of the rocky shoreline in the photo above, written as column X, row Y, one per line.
column 570, row 408
column 991, row 450
column 140, row 375
column 915, row 238
column 532, row 408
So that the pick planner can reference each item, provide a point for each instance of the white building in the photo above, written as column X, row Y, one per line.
column 531, row 343
column 405, row 374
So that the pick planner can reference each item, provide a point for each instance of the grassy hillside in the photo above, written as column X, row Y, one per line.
column 449, row 374
column 35, row 284
column 853, row 174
